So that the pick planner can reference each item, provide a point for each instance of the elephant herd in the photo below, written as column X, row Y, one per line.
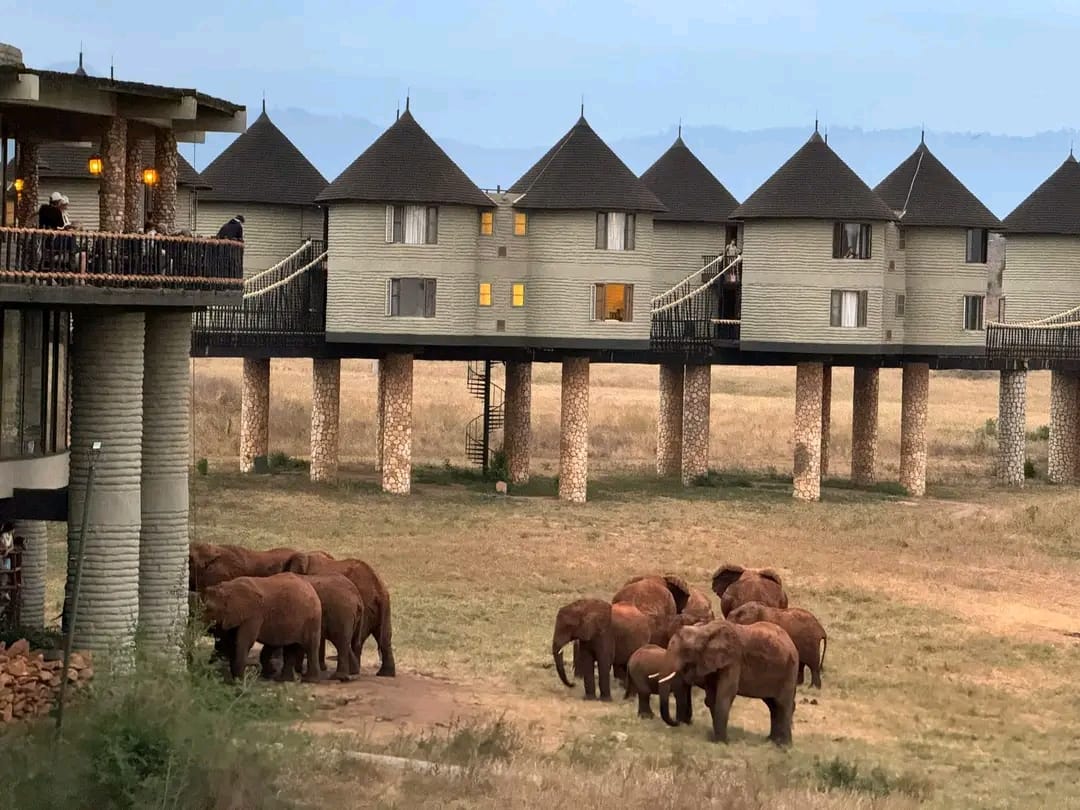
column 658, row 635
column 292, row 602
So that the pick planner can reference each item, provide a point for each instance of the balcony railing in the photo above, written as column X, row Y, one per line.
column 119, row 260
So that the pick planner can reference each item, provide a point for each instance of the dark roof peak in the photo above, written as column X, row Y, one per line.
column 816, row 137
column 1071, row 158
column 1052, row 208
column 687, row 188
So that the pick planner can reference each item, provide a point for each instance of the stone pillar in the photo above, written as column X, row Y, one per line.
column 325, row 417
column 517, row 426
column 27, row 171
column 697, row 396
column 574, row 435
column 166, row 458
column 1012, row 429
column 864, row 426
column 166, row 161
column 112, row 194
column 254, row 412
column 34, row 568
column 669, row 421
column 133, row 188
column 107, row 398
column 1064, row 453
column 808, row 393
column 826, row 417
column 397, row 374
column 380, row 407
column 913, row 407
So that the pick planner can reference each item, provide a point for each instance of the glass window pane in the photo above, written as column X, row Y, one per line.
column 11, row 386
column 614, row 302
column 33, row 357
column 485, row 294
column 520, row 223
column 519, row 295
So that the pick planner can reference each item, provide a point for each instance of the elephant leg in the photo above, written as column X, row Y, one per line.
column 685, row 705
column 246, row 634
column 799, row 680
column 643, row 707
column 720, row 710
column 780, row 717
column 603, row 664
column 815, row 670
column 313, row 674
column 387, row 666
column 588, row 671
column 266, row 661
column 341, row 642
column 322, row 654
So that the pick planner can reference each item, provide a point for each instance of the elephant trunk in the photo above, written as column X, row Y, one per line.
column 560, row 664
column 664, row 691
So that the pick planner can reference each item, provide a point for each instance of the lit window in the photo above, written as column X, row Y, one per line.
column 521, row 223
column 848, row 309
column 487, row 223
column 485, row 293
column 851, row 240
column 519, row 295
column 901, row 305
column 615, row 231
column 613, row 302
column 977, row 239
column 411, row 297
column 973, row 313
column 412, row 224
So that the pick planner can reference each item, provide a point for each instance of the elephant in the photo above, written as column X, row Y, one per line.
column 755, row 660
column 211, row 564
column 803, row 627
column 587, row 623
column 342, row 620
column 281, row 610
column 373, row 594
column 648, row 661
column 736, row 586
column 654, row 594
column 698, row 606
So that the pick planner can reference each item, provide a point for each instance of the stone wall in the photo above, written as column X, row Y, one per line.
column 133, row 188
column 28, row 172
column 397, row 423
column 166, row 160
column 1064, row 445
column 1012, row 427
column 574, row 435
column 697, row 398
column 30, row 685
column 325, row 417
column 254, row 412
column 864, row 426
column 380, row 406
column 913, row 411
column 114, row 177
column 669, row 421
column 517, row 425
column 807, row 468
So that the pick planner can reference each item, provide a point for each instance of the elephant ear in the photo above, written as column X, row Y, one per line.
column 680, row 590
column 724, row 577
column 771, row 574
column 595, row 621
column 298, row 564
column 722, row 648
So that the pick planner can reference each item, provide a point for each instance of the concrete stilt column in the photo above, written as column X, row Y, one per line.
column 325, row 417
column 380, row 407
column 27, row 171
column 1064, row 452
column 517, row 426
column 808, row 393
column 697, row 396
column 1012, row 428
column 34, row 568
column 574, row 435
column 166, row 161
column 669, row 421
column 826, row 417
column 254, row 412
column 107, row 397
column 864, row 426
column 913, row 409
column 397, row 372
column 166, row 457
column 133, row 188
column 112, row 192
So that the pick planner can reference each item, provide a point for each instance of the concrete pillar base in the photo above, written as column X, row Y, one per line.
column 697, row 397
column 517, row 424
column 1064, row 445
column 397, row 371
column 35, row 563
column 1012, row 427
column 807, row 469
column 913, row 410
column 669, row 421
column 325, row 418
column 864, row 426
column 574, row 438
column 254, row 412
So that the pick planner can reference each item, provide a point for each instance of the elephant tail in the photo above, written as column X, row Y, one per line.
column 824, row 646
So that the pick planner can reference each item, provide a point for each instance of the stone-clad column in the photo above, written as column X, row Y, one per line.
column 107, row 397
column 574, row 437
column 669, row 421
column 517, row 425
column 254, row 412
column 913, row 408
column 325, row 417
column 34, row 569
column 112, row 194
column 697, row 395
column 808, row 392
column 864, row 426
column 380, row 407
column 1064, row 452
column 166, row 160
column 1012, row 428
column 133, row 188
column 166, row 458
column 826, row 417
column 27, row 171
column 397, row 371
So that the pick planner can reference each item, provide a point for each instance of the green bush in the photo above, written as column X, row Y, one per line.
column 279, row 462
column 1029, row 468
column 837, row 774
column 990, row 428
column 498, row 467
column 1039, row 434
column 202, row 466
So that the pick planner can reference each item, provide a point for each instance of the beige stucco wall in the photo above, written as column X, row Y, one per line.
column 938, row 278
column 1042, row 276
column 678, row 249
column 271, row 232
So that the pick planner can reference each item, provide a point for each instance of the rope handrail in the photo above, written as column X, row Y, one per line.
column 159, row 237
column 1033, row 325
column 726, row 322
column 279, row 265
column 287, row 279
column 689, row 280
column 697, row 291
column 1048, row 320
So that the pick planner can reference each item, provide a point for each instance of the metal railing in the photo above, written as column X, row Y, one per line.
column 1034, row 342
column 685, row 318
column 119, row 260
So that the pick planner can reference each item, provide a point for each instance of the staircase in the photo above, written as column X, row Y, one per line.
column 478, row 444
column 688, row 317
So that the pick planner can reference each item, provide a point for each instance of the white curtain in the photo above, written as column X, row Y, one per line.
column 849, row 309
column 415, row 224
column 616, row 231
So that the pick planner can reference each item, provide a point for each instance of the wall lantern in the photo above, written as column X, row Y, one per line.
column 19, row 185
column 150, row 176
column 96, row 165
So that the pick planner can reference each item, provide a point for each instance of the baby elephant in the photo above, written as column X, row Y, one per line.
column 803, row 627
column 342, row 621
column 645, row 662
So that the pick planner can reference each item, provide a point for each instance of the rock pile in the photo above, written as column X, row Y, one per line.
column 29, row 684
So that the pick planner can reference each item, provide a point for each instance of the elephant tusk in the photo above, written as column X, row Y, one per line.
column 666, row 678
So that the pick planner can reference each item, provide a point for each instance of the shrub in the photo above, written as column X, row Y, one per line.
column 1029, row 468
column 990, row 428
column 837, row 774
column 202, row 466
column 498, row 467
column 1039, row 434
column 279, row 462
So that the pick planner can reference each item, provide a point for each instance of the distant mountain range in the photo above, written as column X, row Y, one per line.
column 1000, row 169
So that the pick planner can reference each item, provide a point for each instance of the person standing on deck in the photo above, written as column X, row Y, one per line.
column 233, row 229
column 50, row 217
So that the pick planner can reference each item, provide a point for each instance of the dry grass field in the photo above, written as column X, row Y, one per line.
column 954, row 621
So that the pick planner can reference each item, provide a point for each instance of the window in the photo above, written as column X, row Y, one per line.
column 411, row 298
column 11, row 386
column 976, row 245
column 1001, row 310
column 901, row 305
column 521, row 223
column 485, row 293
column 973, row 313
column 412, row 224
column 518, row 299
column 848, row 309
column 851, row 240
column 33, row 383
column 901, row 238
column 613, row 302
column 487, row 223
column 615, row 231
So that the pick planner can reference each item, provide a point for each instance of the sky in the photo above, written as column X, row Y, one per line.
column 513, row 74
